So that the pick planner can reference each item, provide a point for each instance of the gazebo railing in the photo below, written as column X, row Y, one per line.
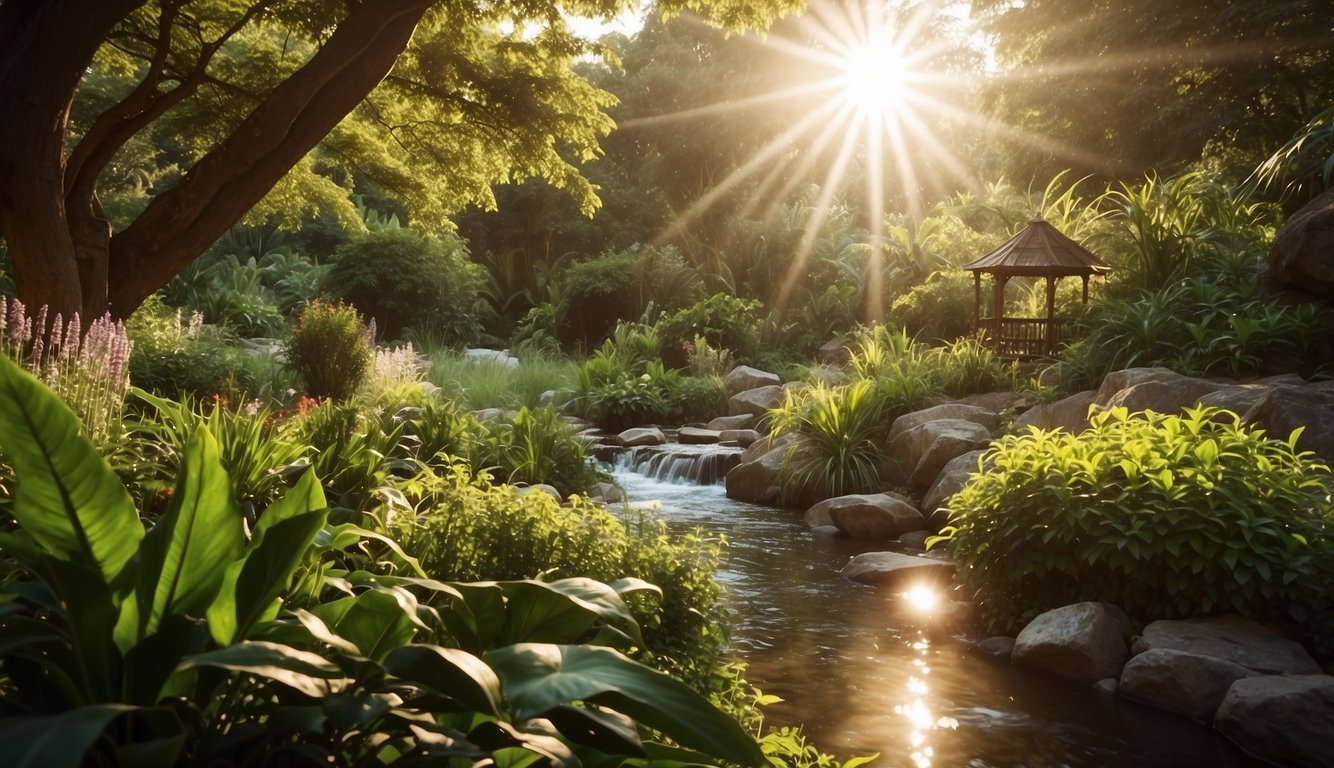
column 1026, row 338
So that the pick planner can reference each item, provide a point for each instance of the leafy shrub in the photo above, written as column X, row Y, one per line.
column 535, row 446
column 624, row 384
column 698, row 398
column 724, row 321
column 967, row 366
column 940, row 308
column 464, row 528
column 187, row 359
column 1166, row 516
column 593, row 295
column 836, row 455
column 404, row 280
column 329, row 350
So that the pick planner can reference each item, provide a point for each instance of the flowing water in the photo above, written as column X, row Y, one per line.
column 863, row 677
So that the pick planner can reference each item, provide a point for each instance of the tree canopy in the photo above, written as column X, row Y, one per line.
column 257, row 106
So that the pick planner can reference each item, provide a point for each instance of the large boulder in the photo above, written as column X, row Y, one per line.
column 756, row 477
column 1285, row 720
column 1126, row 378
column 834, row 352
column 742, row 437
column 743, row 377
column 1081, row 642
column 898, row 571
column 740, row 421
column 757, row 401
column 1302, row 257
column 1186, row 683
column 1070, row 414
column 1168, row 394
column 917, row 455
column 952, row 478
column 1284, row 408
column 1232, row 638
column 641, row 436
column 697, row 436
column 875, row 516
column 995, row 402
column 980, row 416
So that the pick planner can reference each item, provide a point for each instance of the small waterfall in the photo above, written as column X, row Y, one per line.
column 677, row 463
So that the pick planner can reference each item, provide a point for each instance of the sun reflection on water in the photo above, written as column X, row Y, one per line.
column 917, row 711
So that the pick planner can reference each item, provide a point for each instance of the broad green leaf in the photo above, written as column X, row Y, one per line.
column 376, row 621
column 560, row 611
column 304, row 671
column 450, row 672
column 252, row 585
column 600, row 729
column 185, row 556
column 539, row 677
column 66, row 497
column 56, row 741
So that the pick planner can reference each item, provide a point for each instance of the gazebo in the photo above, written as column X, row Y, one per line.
column 1039, row 250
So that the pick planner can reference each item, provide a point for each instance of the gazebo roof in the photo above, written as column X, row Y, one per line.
column 1040, row 249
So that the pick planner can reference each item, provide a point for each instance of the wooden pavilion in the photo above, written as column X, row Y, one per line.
column 1039, row 250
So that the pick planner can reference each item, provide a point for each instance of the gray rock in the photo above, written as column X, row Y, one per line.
column 1238, row 399
column 1106, row 686
column 834, row 352
column 996, row 402
column 1285, row 720
column 1302, row 257
column 1186, row 683
column 1232, row 638
column 913, row 539
column 489, row 414
column 742, row 437
column 547, row 398
column 1070, row 414
column 500, row 357
column 952, row 478
column 697, row 436
column 1284, row 408
column 897, row 571
column 825, row 530
column 1129, row 377
column 980, row 416
column 550, row 490
column 999, row 646
column 756, row 402
column 740, row 421
column 743, row 377
column 1079, row 642
column 761, row 447
column 640, row 436
column 1165, row 395
column 756, row 479
column 918, row 455
column 606, row 493
column 874, row 516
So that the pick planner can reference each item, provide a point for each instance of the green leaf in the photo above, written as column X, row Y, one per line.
column 539, row 677
column 376, row 621
column 252, row 585
column 561, row 611
column 304, row 671
column 185, row 556
column 67, row 498
column 450, row 672
column 600, row 729
column 56, row 741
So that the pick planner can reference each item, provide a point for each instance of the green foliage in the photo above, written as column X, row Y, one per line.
column 358, row 451
column 1304, row 166
column 329, row 350
column 624, row 383
column 939, row 308
column 836, row 454
column 404, row 280
column 1166, row 516
column 724, row 321
column 595, row 294
column 535, row 446
column 698, row 398
column 463, row 528
column 477, row 384
column 967, row 366
column 199, row 642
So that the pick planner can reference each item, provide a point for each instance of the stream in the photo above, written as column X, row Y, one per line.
column 863, row 679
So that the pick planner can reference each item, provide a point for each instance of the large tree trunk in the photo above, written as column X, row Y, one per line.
column 64, row 253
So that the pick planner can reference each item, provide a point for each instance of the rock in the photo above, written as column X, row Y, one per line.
column 827, row 375
column 825, row 530
column 874, row 516
column 980, row 416
column 740, row 421
column 1302, row 257
column 697, row 436
column 500, row 357
column 795, row 386
column 742, row 437
column 999, row 646
column 760, row 447
column 897, row 571
column 1284, row 408
column 488, row 414
column 1070, row 414
column 1286, row 720
column 1079, row 642
column 743, row 377
column 606, row 493
column 913, row 539
column 550, row 490
column 1164, row 395
column 1238, row 399
column 1232, row 638
column 952, row 478
column 995, row 402
column 1185, row 683
column 640, row 436
column 756, row 402
column 1129, row 377
column 1106, row 686
column 918, row 455
column 547, row 398
column 757, row 479
column 834, row 352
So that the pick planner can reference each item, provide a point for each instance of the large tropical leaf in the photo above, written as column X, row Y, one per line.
column 538, row 678
column 66, row 498
column 449, row 672
column 185, row 557
column 294, row 668
column 252, row 585
column 376, row 621
column 561, row 611
column 57, row 741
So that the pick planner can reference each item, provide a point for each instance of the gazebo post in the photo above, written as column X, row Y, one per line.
column 977, row 300
column 1051, row 315
column 999, row 300
column 1085, row 278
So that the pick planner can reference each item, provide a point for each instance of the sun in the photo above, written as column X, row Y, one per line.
column 875, row 79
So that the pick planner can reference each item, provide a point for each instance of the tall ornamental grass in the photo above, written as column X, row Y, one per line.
column 89, row 370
